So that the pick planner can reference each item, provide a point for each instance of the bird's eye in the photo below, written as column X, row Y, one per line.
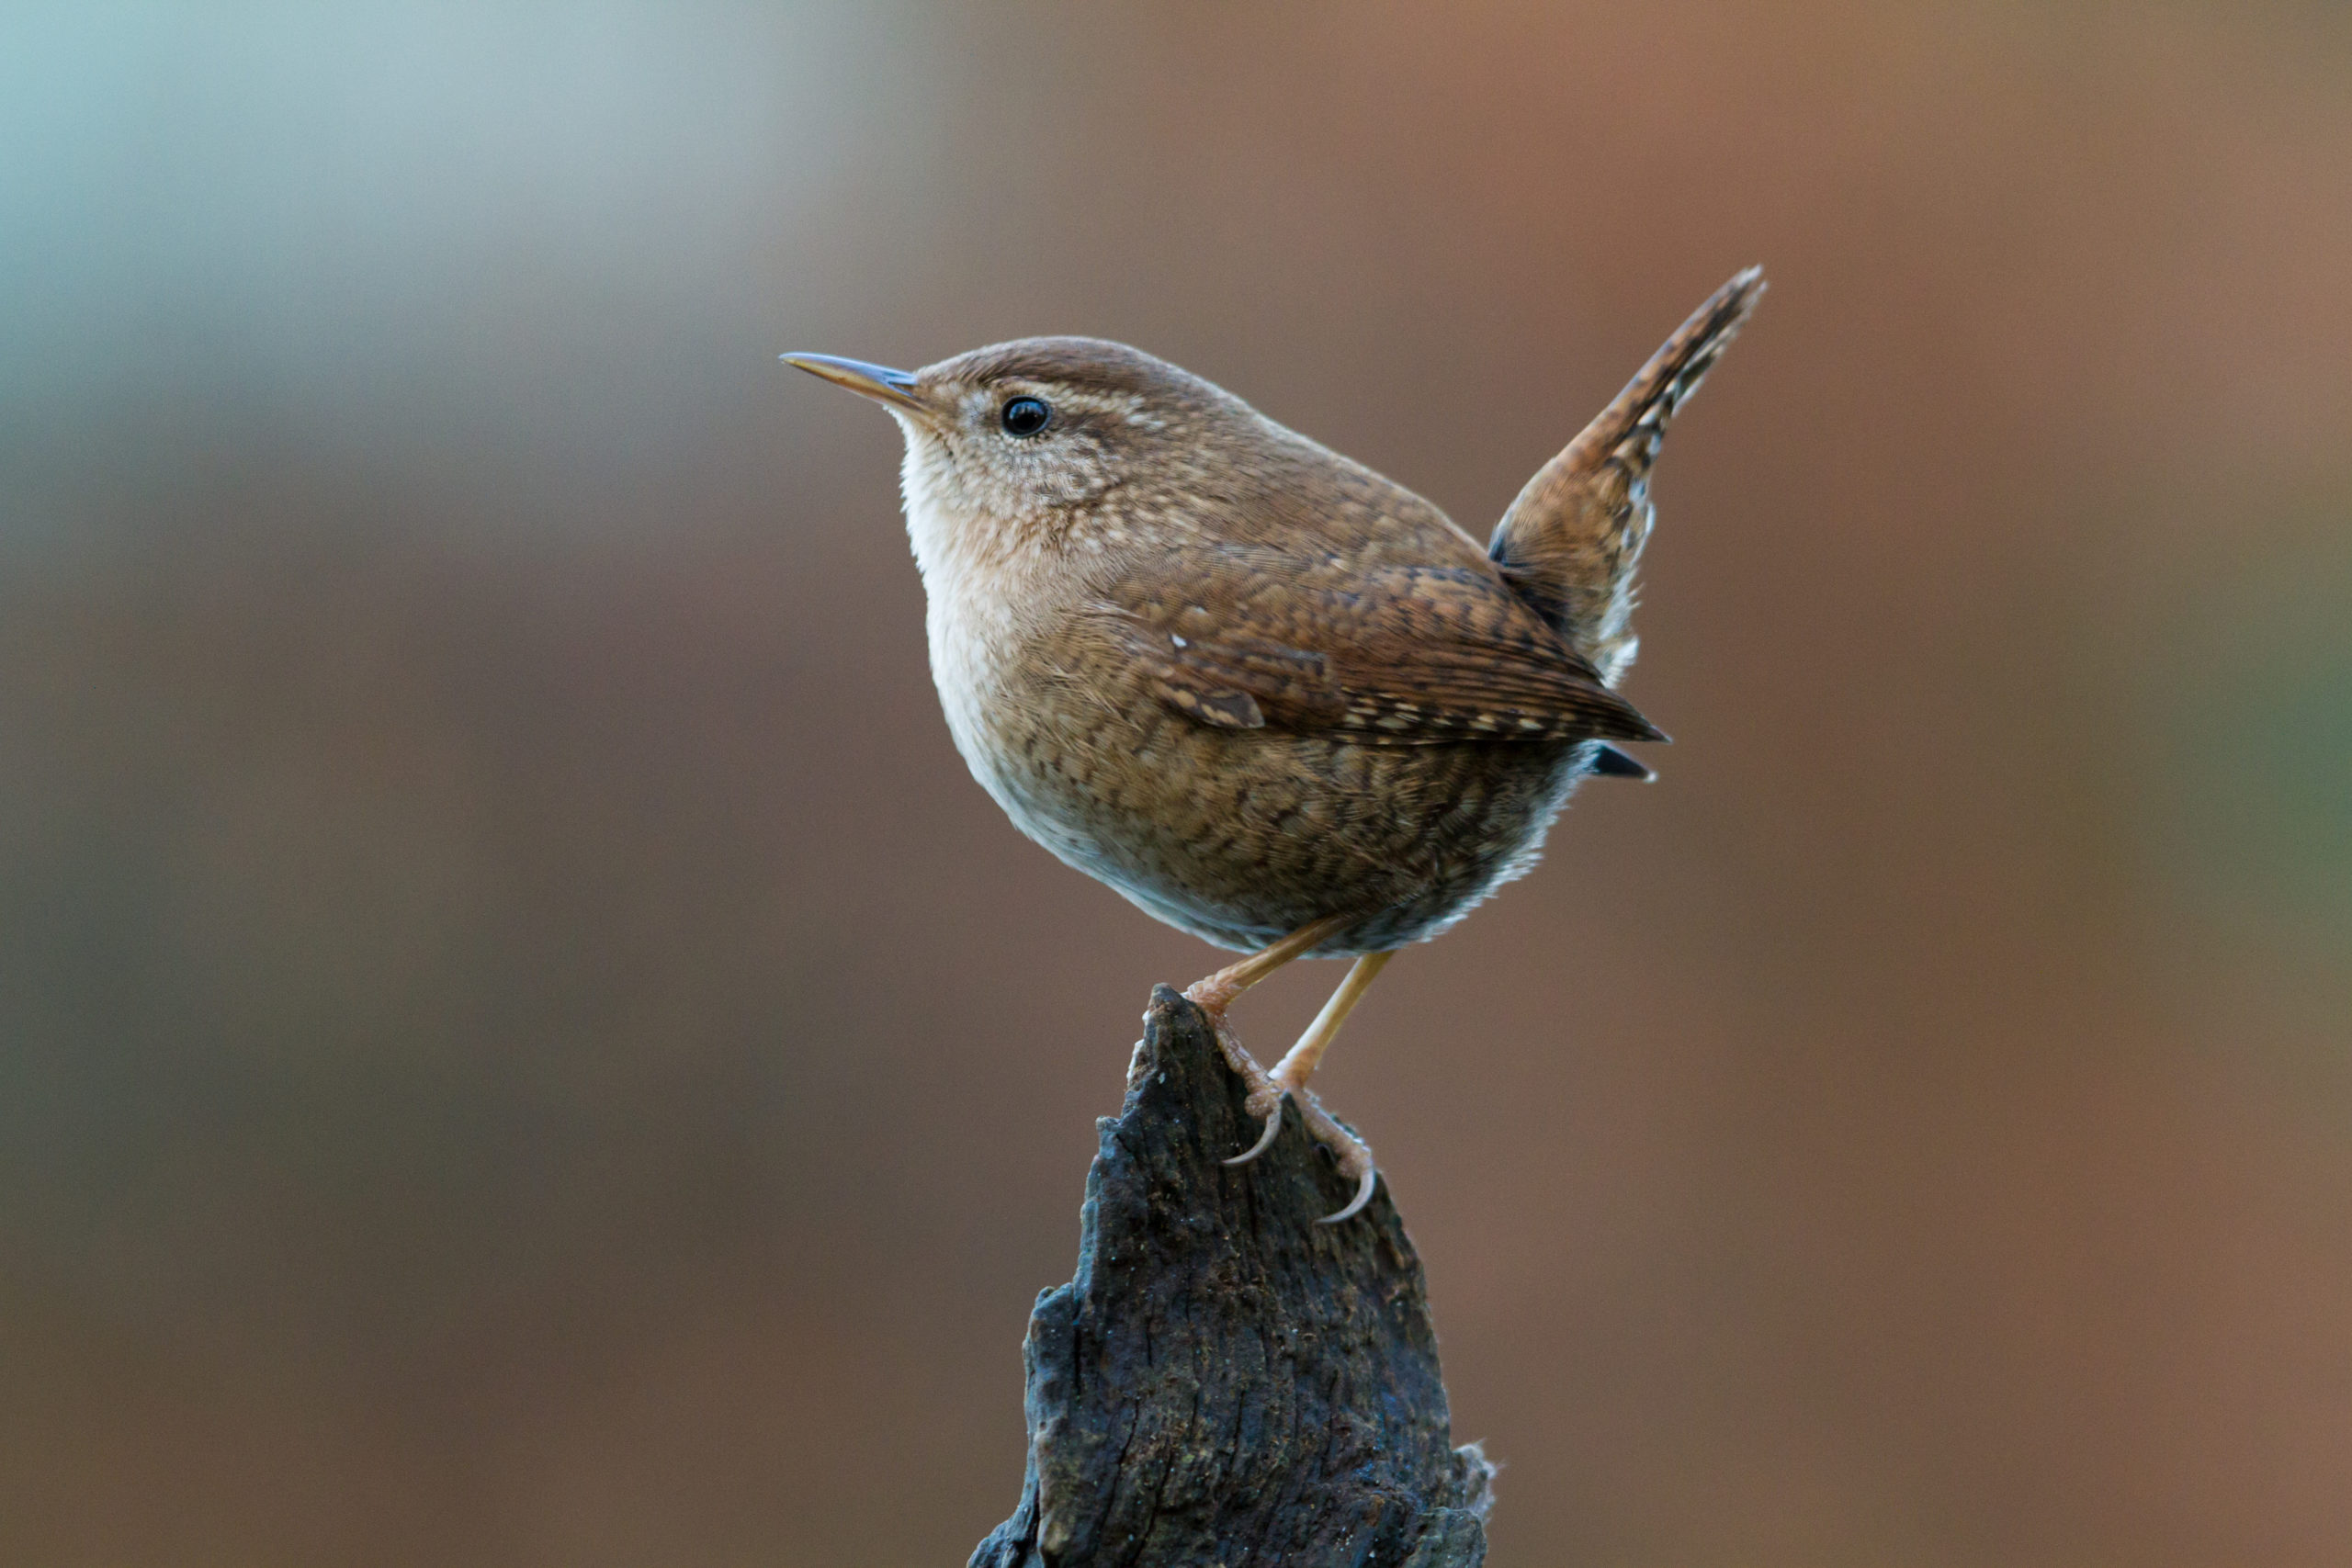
column 1025, row 416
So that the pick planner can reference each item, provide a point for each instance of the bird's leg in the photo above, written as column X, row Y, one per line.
column 1216, row 993
column 1290, row 1076
column 1299, row 1064
column 1291, row 1073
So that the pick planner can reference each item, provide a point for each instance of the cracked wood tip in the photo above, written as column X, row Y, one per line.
column 1226, row 1381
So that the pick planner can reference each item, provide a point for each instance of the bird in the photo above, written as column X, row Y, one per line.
column 1273, row 698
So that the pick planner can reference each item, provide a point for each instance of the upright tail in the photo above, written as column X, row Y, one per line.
column 1570, row 543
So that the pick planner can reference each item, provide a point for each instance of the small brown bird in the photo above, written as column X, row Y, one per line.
column 1276, row 699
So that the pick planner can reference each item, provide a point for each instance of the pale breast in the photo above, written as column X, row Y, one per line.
column 1237, row 837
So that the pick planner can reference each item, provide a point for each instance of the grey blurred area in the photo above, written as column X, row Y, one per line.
column 521, row 1043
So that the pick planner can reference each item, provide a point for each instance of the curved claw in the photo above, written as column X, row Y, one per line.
column 1265, row 1139
column 1364, row 1196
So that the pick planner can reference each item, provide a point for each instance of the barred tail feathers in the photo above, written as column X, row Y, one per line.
column 1571, row 541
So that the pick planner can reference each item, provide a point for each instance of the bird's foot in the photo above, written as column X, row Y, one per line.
column 1215, row 992
column 1352, row 1153
column 1265, row 1100
column 1269, row 1090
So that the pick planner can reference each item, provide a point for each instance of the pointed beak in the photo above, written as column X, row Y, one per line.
column 884, row 386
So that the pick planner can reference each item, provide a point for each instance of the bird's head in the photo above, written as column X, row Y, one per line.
column 1047, row 443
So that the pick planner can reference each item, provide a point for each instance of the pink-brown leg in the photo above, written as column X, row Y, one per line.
column 1289, row 1079
column 1216, row 993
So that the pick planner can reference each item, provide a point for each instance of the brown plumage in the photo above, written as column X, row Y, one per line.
column 1273, row 698
column 1571, row 542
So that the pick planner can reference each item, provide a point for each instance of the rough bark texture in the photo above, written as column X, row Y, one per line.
column 1227, row 1382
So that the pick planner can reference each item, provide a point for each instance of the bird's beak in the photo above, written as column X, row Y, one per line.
column 866, row 380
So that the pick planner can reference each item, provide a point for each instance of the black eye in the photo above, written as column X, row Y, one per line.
column 1027, row 416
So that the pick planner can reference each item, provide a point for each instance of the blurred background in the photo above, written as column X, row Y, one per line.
column 520, row 1044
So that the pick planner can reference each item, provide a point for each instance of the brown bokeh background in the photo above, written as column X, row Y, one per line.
column 521, row 1044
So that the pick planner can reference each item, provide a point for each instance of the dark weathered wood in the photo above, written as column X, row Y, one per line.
column 1227, row 1382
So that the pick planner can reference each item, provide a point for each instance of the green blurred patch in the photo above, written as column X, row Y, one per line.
column 2254, row 715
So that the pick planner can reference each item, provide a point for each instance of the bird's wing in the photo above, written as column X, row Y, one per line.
column 1250, row 637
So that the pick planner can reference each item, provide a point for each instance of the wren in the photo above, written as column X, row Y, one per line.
column 1273, row 698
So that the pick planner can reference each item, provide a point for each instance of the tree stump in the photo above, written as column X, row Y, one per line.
column 1225, row 1381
